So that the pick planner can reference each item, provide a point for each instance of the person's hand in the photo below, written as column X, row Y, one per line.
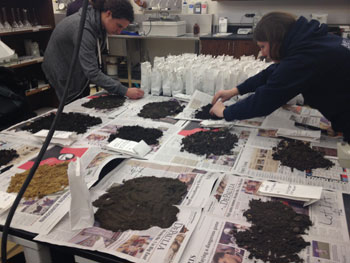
column 134, row 93
column 218, row 109
column 224, row 95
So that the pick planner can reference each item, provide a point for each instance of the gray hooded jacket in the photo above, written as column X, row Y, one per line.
column 59, row 53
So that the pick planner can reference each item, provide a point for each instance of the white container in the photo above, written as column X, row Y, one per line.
column 5, row 52
column 190, row 8
column 223, row 24
column 322, row 18
column 197, row 8
column 184, row 7
column 205, row 7
column 164, row 28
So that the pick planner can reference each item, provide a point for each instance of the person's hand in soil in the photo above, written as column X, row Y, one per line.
column 218, row 109
column 224, row 95
column 134, row 93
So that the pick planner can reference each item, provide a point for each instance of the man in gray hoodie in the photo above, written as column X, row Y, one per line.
column 103, row 17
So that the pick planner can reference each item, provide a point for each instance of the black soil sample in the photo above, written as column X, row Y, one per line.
column 203, row 113
column 299, row 155
column 140, row 203
column 158, row 110
column 214, row 142
column 275, row 233
column 137, row 133
column 105, row 102
column 7, row 156
column 73, row 122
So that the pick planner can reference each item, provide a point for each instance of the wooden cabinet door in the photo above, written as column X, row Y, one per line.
column 217, row 47
column 245, row 48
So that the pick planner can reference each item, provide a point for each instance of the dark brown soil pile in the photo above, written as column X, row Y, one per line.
column 158, row 110
column 299, row 155
column 140, row 203
column 275, row 233
column 73, row 122
column 203, row 113
column 7, row 156
column 137, row 133
column 105, row 102
column 216, row 142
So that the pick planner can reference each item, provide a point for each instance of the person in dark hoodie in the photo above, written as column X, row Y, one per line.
column 308, row 61
column 103, row 17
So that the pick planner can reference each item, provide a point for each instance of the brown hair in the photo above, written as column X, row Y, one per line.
column 273, row 28
column 121, row 9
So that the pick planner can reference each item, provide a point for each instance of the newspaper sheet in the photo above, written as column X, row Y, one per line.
column 200, row 99
column 213, row 236
column 136, row 106
column 99, row 137
column 76, row 106
column 24, row 148
column 256, row 161
column 40, row 215
column 17, row 129
column 171, row 152
column 154, row 244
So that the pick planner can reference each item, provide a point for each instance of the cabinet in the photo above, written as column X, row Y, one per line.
column 39, row 14
column 235, row 48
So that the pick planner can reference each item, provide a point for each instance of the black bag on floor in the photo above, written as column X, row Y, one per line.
column 13, row 106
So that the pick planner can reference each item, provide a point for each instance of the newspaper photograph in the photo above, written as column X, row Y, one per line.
column 171, row 152
column 40, row 215
column 152, row 245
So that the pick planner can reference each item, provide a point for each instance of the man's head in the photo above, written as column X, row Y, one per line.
column 115, row 14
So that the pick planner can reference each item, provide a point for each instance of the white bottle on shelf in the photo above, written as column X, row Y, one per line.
column 190, row 7
column 205, row 7
column 184, row 7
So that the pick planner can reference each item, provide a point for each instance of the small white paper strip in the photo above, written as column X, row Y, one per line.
column 137, row 149
column 215, row 123
column 6, row 200
column 308, row 194
column 59, row 137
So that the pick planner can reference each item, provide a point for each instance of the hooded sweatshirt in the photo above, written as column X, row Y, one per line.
column 313, row 63
column 59, row 53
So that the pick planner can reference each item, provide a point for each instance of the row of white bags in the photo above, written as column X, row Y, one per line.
column 188, row 72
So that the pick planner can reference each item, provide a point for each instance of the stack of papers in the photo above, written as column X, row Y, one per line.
column 305, row 193
column 305, row 135
column 135, row 149
column 59, row 137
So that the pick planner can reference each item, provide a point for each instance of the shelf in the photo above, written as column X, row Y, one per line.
column 34, row 29
column 37, row 90
column 23, row 63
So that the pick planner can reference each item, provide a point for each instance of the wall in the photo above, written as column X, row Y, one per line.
column 338, row 10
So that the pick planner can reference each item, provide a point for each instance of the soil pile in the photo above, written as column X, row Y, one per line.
column 158, row 110
column 7, row 156
column 140, row 203
column 137, row 133
column 203, row 113
column 105, row 102
column 73, row 122
column 299, row 155
column 48, row 179
column 214, row 142
column 275, row 234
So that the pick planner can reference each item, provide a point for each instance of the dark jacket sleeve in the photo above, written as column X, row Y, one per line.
column 288, row 79
column 88, row 62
